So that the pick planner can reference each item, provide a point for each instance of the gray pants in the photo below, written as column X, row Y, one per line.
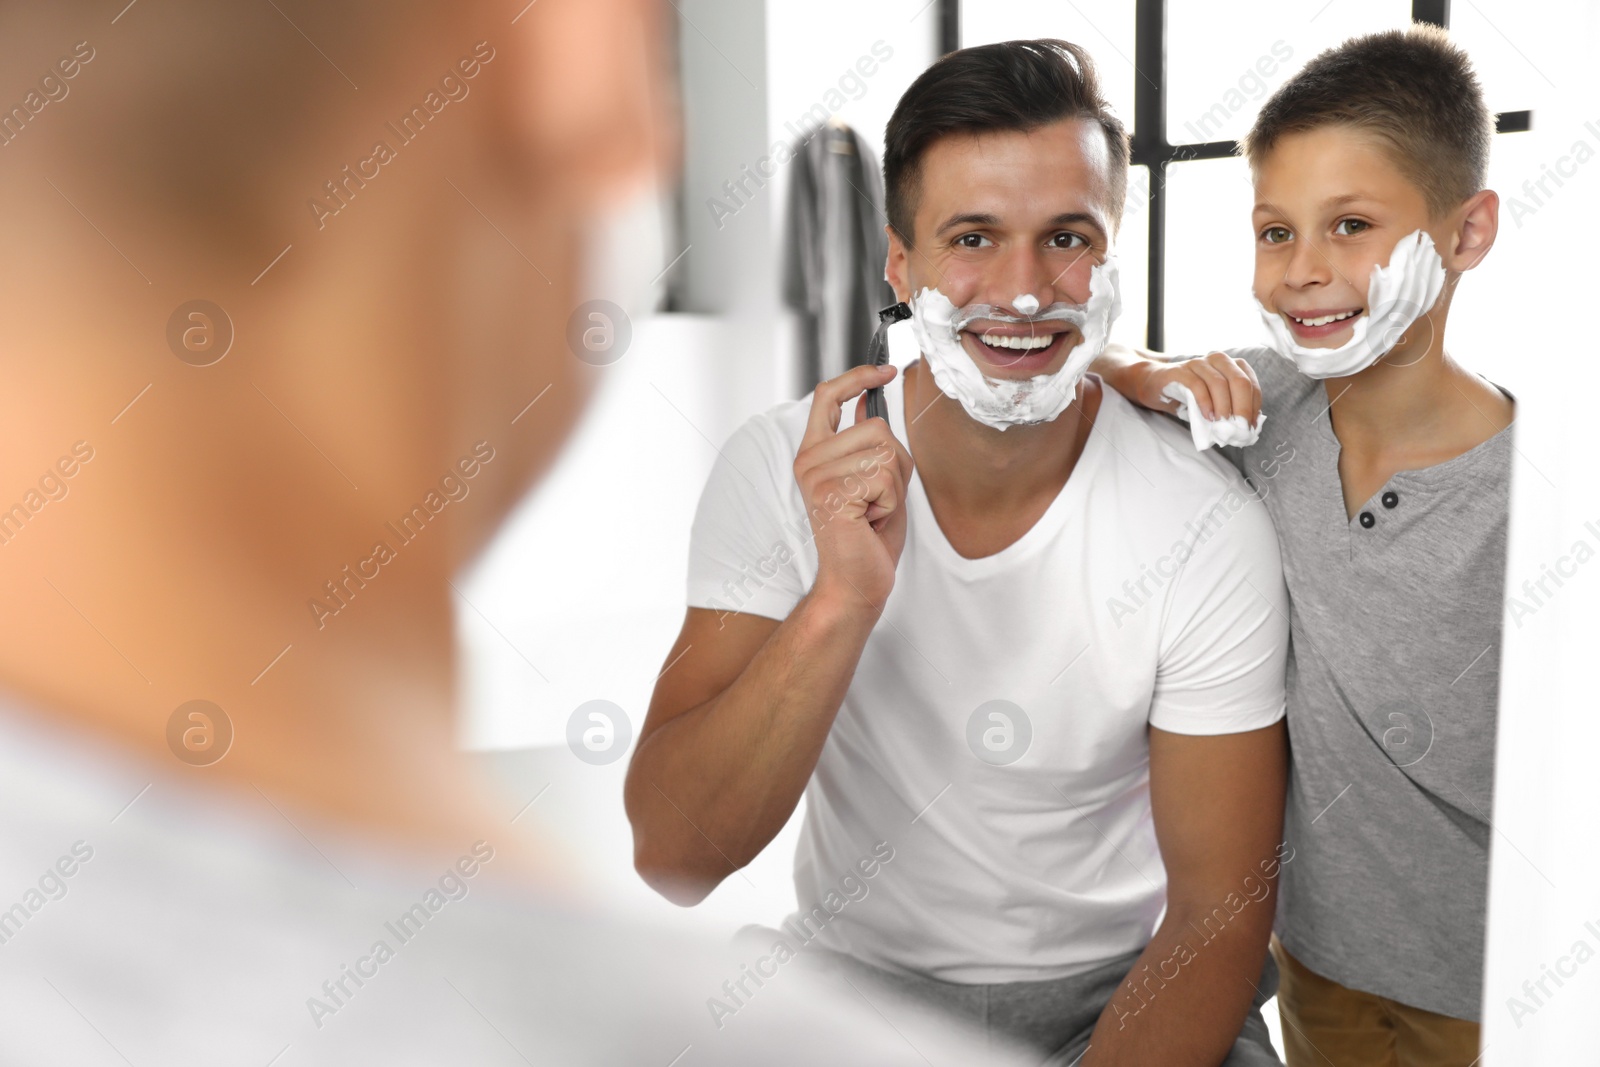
column 1055, row 1017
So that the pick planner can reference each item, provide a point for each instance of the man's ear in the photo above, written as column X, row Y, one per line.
column 899, row 278
column 1475, row 234
column 600, row 121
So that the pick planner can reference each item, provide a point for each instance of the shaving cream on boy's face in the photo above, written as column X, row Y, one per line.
column 1004, row 402
column 1397, row 296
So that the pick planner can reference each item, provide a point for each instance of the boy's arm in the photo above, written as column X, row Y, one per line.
column 1221, row 384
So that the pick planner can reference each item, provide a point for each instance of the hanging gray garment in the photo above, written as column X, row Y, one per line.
column 834, row 251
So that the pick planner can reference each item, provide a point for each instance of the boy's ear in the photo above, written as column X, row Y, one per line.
column 895, row 271
column 1479, row 225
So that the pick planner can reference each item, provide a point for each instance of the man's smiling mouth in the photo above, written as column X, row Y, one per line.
column 998, row 340
column 1031, row 351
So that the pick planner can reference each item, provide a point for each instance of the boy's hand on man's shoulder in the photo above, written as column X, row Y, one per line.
column 1222, row 385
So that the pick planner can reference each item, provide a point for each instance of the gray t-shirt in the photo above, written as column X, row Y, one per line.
column 1393, row 679
column 149, row 916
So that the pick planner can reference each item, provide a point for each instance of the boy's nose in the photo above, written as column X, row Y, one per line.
column 1308, row 265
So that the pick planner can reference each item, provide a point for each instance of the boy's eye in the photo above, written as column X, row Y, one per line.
column 1343, row 227
column 1275, row 235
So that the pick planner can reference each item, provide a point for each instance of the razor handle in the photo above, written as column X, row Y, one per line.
column 878, row 355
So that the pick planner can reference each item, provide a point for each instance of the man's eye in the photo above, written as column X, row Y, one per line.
column 1275, row 235
column 971, row 240
column 1342, row 227
column 1069, row 240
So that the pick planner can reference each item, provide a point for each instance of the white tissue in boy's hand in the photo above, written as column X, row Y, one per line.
column 1232, row 431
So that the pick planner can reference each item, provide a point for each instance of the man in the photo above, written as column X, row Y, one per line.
column 1022, row 652
column 233, row 824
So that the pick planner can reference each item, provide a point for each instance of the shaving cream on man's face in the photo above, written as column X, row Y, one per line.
column 1005, row 402
column 1397, row 296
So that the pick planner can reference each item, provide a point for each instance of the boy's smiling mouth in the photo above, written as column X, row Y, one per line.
column 1321, row 322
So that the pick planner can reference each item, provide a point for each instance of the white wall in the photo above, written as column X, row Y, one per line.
column 813, row 52
column 1545, row 873
column 813, row 49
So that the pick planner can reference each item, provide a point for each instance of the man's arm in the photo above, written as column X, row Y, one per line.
column 733, row 733
column 1217, row 802
column 744, row 705
column 1221, row 384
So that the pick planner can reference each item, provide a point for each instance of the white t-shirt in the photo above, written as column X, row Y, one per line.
column 148, row 916
column 1150, row 592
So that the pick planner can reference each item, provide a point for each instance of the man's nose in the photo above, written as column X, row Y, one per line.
column 1029, row 272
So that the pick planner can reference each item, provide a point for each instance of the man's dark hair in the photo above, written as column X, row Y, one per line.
column 1013, row 85
column 1412, row 89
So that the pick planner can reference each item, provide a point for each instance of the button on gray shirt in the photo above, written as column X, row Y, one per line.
column 1393, row 676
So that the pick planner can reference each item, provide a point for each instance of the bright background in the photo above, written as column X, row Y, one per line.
column 580, row 597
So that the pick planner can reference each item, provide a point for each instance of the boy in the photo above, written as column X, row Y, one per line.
column 1386, row 467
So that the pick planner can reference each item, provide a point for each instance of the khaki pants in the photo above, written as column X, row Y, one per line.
column 1327, row 1025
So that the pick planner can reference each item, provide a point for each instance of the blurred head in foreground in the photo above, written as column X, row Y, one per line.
column 285, row 335
column 281, row 281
